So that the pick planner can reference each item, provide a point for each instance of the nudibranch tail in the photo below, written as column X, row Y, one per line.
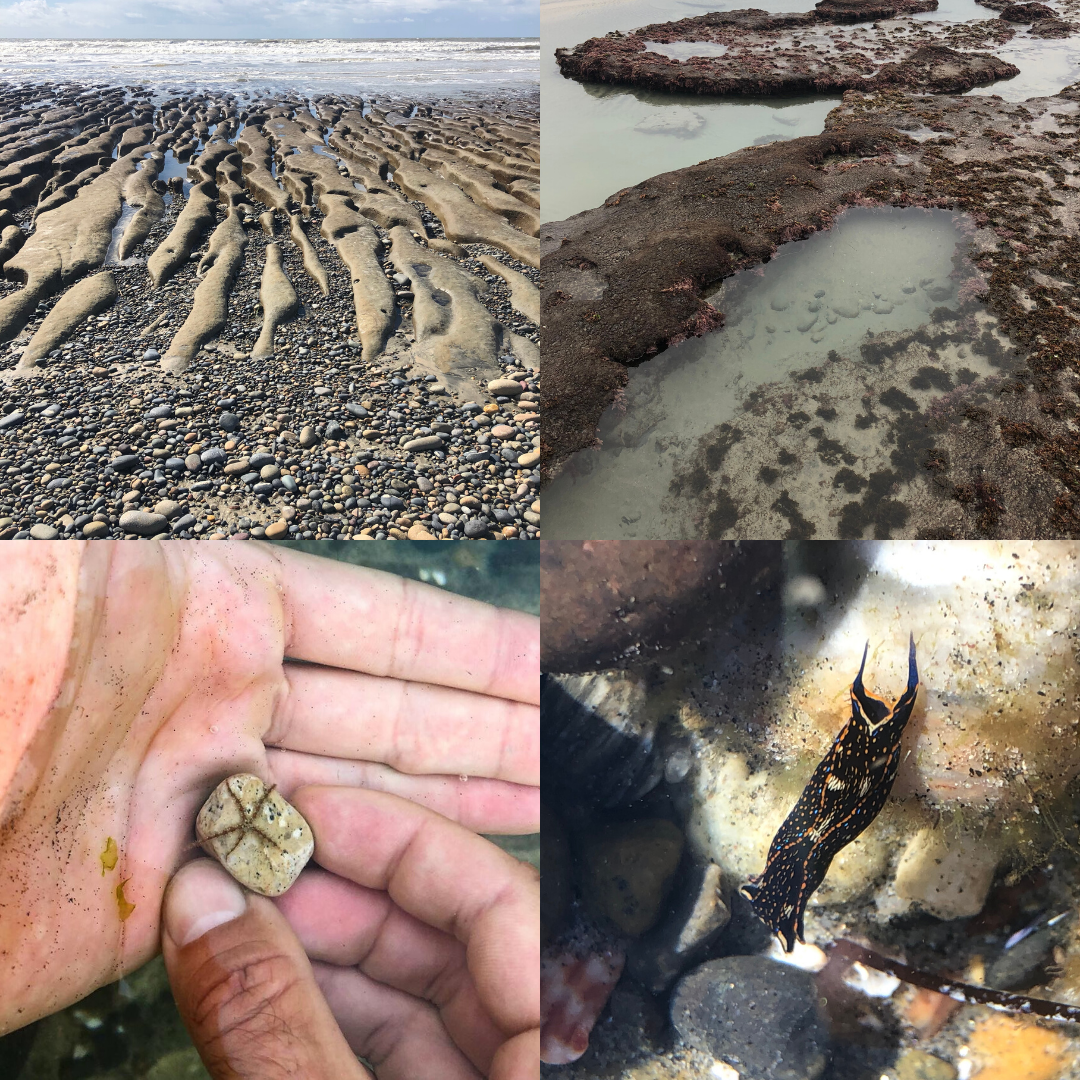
column 845, row 793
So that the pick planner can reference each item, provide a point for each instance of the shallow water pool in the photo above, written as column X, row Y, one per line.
column 832, row 357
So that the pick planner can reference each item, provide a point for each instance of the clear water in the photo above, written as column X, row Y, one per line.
column 171, row 168
column 788, row 363
column 1046, row 67
column 598, row 139
column 127, row 212
column 422, row 67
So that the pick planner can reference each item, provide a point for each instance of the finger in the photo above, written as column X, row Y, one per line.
column 518, row 1058
column 491, row 806
column 243, row 985
column 364, row 620
column 400, row 1035
column 413, row 727
column 446, row 876
column 342, row 923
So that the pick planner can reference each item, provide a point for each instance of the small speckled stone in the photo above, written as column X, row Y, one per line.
column 259, row 837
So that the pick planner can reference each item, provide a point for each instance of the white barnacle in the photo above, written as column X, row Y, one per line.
column 834, row 783
column 864, row 787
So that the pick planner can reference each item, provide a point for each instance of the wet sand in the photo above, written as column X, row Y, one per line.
column 305, row 317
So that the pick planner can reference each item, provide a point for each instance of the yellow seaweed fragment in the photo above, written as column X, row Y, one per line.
column 109, row 856
column 122, row 904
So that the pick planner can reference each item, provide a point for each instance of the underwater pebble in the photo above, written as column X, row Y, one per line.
column 258, row 836
column 628, row 869
column 697, row 917
column 946, row 871
column 759, row 1014
column 919, row 1065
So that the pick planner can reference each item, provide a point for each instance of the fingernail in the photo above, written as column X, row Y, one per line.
column 201, row 896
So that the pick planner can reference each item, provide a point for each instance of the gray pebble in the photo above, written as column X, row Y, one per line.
column 43, row 532
column 755, row 1012
column 229, row 421
column 142, row 523
column 426, row 442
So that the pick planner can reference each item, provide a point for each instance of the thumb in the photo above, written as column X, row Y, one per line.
column 244, row 985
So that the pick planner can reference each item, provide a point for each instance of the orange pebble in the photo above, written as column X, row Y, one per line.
column 1008, row 1048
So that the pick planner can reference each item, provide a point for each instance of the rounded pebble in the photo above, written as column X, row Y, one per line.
column 755, row 1012
column 142, row 523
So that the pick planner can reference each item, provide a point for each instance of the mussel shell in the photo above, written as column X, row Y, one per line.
column 597, row 741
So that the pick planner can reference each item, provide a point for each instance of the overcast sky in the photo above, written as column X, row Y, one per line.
column 268, row 18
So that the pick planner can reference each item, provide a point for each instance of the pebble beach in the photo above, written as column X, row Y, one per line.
column 289, row 315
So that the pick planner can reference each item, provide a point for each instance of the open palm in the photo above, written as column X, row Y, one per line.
column 185, row 662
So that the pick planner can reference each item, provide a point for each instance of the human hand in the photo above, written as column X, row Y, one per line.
column 138, row 675
column 424, row 941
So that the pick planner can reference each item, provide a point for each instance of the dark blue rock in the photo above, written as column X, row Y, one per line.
column 182, row 523
column 229, row 421
column 289, row 484
column 12, row 419
column 214, row 456
column 151, row 354
column 263, row 489
column 392, row 502
column 335, row 431
column 257, row 461
column 58, row 482
column 476, row 527
column 250, row 477
column 473, row 456
column 160, row 412
column 126, row 463
column 175, row 463
column 356, row 410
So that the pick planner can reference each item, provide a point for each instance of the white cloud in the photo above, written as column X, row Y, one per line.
column 231, row 18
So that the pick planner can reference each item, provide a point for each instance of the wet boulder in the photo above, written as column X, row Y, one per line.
column 1026, row 13
column 759, row 1016
column 853, row 11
